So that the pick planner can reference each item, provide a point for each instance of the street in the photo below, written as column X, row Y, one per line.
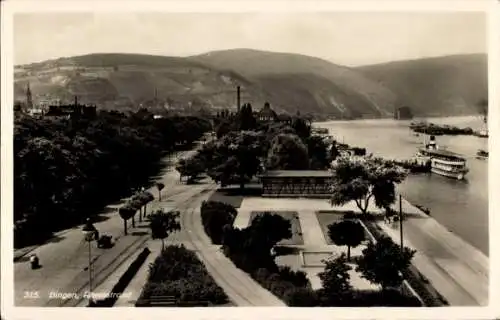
column 64, row 259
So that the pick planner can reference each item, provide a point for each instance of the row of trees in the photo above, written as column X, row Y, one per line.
column 65, row 169
column 246, row 147
column 139, row 203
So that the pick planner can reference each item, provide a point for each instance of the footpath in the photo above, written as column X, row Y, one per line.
column 241, row 289
column 456, row 269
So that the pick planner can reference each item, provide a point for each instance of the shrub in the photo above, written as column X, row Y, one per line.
column 301, row 297
column 382, row 298
column 215, row 216
column 298, row 278
column 178, row 272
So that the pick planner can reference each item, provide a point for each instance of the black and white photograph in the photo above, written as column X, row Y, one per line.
column 227, row 157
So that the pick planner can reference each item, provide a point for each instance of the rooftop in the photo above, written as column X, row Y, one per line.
column 297, row 173
column 442, row 152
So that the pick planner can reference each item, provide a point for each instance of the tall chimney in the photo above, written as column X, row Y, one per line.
column 238, row 98
column 76, row 101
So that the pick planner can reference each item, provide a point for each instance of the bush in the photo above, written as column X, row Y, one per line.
column 215, row 216
column 382, row 298
column 179, row 273
column 301, row 297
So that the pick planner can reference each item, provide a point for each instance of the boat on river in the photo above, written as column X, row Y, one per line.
column 442, row 161
column 482, row 154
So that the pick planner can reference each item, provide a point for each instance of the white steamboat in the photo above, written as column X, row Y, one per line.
column 442, row 162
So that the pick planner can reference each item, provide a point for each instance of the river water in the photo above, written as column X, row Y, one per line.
column 461, row 206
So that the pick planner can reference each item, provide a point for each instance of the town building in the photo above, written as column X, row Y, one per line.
column 267, row 114
column 75, row 110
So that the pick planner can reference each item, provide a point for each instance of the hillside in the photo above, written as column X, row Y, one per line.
column 450, row 85
column 372, row 98
column 290, row 82
column 127, row 81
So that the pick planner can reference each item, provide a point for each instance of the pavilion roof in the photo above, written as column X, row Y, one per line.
column 297, row 174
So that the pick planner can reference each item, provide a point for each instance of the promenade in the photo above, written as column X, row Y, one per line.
column 456, row 269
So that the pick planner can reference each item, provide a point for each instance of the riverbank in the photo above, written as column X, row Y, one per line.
column 461, row 206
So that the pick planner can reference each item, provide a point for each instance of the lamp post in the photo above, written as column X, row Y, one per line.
column 90, row 233
column 401, row 223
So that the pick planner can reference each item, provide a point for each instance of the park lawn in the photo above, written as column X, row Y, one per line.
column 327, row 218
column 291, row 216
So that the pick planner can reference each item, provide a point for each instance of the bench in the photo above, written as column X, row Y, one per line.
column 170, row 301
column 160, row 301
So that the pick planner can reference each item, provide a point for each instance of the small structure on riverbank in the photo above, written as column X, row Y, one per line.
column 296, row 183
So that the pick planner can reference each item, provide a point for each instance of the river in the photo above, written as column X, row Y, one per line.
column 461, row 206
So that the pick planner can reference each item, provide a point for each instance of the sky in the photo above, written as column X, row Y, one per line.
column 345, row 38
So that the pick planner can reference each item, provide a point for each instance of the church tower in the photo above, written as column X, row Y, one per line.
column 29, row 98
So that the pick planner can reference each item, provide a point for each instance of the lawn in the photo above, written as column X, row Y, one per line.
column 291, row 216
column 325, row 219
column 228, row 197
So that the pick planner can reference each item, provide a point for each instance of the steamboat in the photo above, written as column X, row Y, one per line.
column 442, row 161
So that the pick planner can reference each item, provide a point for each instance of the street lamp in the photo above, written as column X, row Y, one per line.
column 90, row 234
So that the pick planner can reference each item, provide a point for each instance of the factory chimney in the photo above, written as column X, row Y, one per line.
column 238, row 98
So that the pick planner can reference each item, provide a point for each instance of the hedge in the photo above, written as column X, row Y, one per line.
column 214, row 216
column 177, row 272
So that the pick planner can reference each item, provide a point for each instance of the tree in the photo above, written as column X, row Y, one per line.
column 215, row 216
column 287, row 152
column 384, row 262
column 335, row 278
column 191, row 167
column 146, row 197
column 318, row 152
column 160, row 187
column 268, row 229
column 334, row 151
column 235, row 158
column 162, row 224
column 126, row 212
column 136, row 204
column 301, row 127
column 348, row 233
column 246, row 118
column 361, row 179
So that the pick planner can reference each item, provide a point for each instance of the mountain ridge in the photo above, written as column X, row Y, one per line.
column 290, row 82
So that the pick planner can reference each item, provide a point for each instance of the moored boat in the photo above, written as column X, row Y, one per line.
column 443, row 162
column 481, row 154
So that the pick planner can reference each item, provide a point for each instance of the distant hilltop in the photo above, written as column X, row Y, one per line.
column 441, row 86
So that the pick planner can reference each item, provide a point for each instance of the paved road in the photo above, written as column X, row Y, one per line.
column 238, row 285
column 64, row 259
